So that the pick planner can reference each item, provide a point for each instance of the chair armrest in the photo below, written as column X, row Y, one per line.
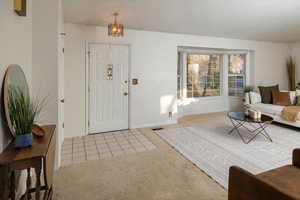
column 296, row 157
column 245, row 186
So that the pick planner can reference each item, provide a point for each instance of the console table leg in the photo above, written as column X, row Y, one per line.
column 50, row 194
column 38, row 170
column 4, row 182
column 13, row 185
column 45, row 195
column 28, row 184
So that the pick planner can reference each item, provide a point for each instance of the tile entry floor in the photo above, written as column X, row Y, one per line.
column 104, row 145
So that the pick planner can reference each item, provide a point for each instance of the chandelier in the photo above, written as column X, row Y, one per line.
column 115, row 29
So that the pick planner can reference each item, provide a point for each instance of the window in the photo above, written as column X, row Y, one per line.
column 236, row 75
column 206, row 72
column 179, row 76
column 203, row 75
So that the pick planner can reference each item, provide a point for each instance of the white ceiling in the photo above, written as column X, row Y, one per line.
column 266, row 20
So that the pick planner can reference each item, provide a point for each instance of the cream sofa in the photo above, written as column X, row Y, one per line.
column 253, row 99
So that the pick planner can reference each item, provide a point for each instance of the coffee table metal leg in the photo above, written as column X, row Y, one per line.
column 259, row 132
column 265, row 133
column 241, row 136
column 253, row 130
column 261, row 129
column 236, row 127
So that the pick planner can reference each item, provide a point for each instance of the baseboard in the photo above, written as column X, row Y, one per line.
column 153, row 124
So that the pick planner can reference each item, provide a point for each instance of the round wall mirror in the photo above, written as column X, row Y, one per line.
column 14, row 78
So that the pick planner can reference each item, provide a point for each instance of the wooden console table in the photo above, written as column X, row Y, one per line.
column 40, row 156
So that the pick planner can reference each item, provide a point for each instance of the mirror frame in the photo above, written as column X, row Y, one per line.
column 6, row 86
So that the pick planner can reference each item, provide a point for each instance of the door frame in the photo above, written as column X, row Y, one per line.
column 87, row 80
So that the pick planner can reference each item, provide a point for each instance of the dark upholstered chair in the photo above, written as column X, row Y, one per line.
column 278, row 184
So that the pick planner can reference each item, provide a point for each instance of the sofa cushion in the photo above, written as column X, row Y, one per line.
column 269, row 108
column 285, row 179
column 290, row 113
column 266, row 93
column 281, row 98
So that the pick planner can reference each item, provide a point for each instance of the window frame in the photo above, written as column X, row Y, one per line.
column 244, row 74
column 220, row 71
column 224, row 70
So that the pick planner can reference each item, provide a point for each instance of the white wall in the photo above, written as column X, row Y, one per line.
column 15, row 48
column 31, row 42
column 296, row 54
column 45, row 57
column 154, row 63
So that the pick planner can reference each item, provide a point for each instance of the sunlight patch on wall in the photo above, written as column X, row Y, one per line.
column 168, row 103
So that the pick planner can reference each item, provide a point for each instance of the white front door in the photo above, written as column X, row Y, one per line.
column 108, row 87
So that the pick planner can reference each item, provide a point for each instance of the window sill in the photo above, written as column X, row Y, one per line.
column 183, row 101
column 198, row 99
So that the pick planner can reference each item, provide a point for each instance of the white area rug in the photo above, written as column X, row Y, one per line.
column 211, row 148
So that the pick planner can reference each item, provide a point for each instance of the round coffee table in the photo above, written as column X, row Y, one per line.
column 239, row 119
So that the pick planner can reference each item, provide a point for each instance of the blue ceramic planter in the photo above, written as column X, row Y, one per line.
column 23, row 140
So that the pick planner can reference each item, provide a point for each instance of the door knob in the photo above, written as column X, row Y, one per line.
column 125, row 93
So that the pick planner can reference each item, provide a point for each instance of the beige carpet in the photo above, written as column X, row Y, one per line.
column 157, row 174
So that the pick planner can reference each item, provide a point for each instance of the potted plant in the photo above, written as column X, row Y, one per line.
column 248, row 89
column 23, row 113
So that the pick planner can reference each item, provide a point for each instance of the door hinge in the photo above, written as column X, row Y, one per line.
column 63, row 50
column 88, row 123
column 63, row 125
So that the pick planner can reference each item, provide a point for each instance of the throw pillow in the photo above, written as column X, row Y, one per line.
column 297, row 100
column 281, row 98
column 255, row 98
column 266, row 93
